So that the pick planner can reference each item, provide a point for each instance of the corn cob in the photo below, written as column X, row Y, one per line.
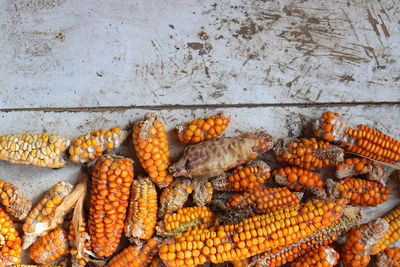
column 174, row 196
column 136, row 255
column 45, row 150
column 213, row 157
column 393, row 234
column 81, row 260
column 243, row 177
column 40, row 219
column 142, row 214
column 202, row 192
column 390, row 257
column 10, row 242
column 308, row 153
column 361, row 140
column 358, row 191
column 26, row 265
column 202, row 129
column 240, row 263
column 151, row 145
column 111, row 181
column 262, row 200
column 323, row 256
column 156, row 262
column 15, row 202
column 92, row 145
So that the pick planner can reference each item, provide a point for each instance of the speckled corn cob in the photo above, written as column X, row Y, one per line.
column 361, row 140
column 45, row 150
column 358, row 166
column 202, row 129
column 203, row 192
column 390, row 257
column 15, row 202
column 243, row 177
column 142, row 214
column 393, row 234
column 38, row 221
column 92, row 145
column 151, row 145
column 80, row 259
column 318, row 256
column 110, row 187
column 10, row 242
column 174, row 196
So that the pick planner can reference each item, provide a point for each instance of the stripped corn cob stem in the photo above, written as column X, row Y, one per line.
column 142, row 214
column 202, row 192
column 308, row 153
column 174, row 196
column 81, row 260
column 390, row 257
column 111, row 182
column 262, row 200
column 361, row 140
column 151, row 145
column 393, row 234
column 50, row 247
column 92, row 145
column 10, row 242
column 15, row 202
column 40, row 219
column 213, row 157
column 45, row 150
column 323, row 256
column 136, row 255
column 202, row 129
column 358, row 191
column 243, row 177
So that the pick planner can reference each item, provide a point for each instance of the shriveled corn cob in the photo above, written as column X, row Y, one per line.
column 80, row 259
column 142, row 214
column 359, row 191
column 202, row 192
column 92, row 145
column 45, row 150
column 15, row 202
column 202, row 129
column 243, row 177
column 361, row 140
column 318, row 256
column 151, row 145
column 10, row 242
column 390, row 257
column 174, row 196
column 308, row 153
column 110, row 189
column 40, row 219
column 50, row 247
column 393, row 234
column 358, row 166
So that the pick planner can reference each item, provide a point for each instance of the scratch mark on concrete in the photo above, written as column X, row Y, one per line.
column 373, row 23
column 384, row 29
column 351, row 24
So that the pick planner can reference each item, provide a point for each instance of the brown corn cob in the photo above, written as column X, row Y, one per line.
column 359, row 191
column 151, row 145
column 243, row 177
column 45, row 150
column 136, row 255
column 308, row 153
column 15, row 202
column 202, row 192
column 80, row 259
column 92, row 145
column 174, row 196
column 393, row 234
column 142, row 214
column 111, row 182
column 202, row 129
column 40, row 219
column 390, row 257
column 361, row 140
column 323, row 256
column 10, row 242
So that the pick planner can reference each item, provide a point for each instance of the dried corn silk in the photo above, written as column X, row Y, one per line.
column 15, row 202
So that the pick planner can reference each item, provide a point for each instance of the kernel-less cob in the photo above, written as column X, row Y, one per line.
column 10, row 242
column 393, row 234
column 203, row 192
column 390, row 257
column 174, row 196
column 15, row 202
column 82, row 260
column 323, row 256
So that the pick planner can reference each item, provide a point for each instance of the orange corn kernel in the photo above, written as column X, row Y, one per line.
column 15, row 202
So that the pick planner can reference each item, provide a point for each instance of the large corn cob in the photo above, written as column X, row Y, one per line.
column 142, row 214
column 151, row 145
column 110, row 188
column 174, row 196
column 203, row 192
column 79, row 259
column 10, row 242
column 357, row 166
column 393, row 234
column 92, row 145
column 202, row 129
column 390, row 257
column 40, row 219
column 361, row 140
column 45, row 150
column 15, row 202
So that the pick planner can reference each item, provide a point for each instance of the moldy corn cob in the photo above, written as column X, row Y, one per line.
column 318, row 256
column 393, row 233
column 358, row 166
column 390, row 257
column 174, row 196
column 81, row 260
column 202, row 192
column 10, row 242
column 15, row 202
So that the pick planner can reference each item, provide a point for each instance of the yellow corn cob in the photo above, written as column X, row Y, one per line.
column 92, row 145
column 15, row 202
column 393, row 234
column 323, row 256
column 142, row 214
column 357, row 166
column 38, row 222
column 110, row 188
column 202, row 192
column 80, row 259
column 390, row 257
column 50, row 247
column 10, row 242
column 202, row 129
column 174, row 196
column 151, row 145
column 45, row 150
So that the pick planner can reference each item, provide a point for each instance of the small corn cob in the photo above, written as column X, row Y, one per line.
column 202, row 192
column 323, row 256
column 15, row 202
column 50, row 247
column 156, row 262
column 111, row 181
column 40, row 219
column 202, row 129
column 45, row 150
column 136, row 255
column 390, row 257
column 10, row 242
column 359, row 191
column 358, row 166
column 142, row 214
column 174, row 196
column 81, row 260
column 92, row 145
column 151, row 145
column 361, row 140
column 262, row 200
column 243, row 177
column 393, row 234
